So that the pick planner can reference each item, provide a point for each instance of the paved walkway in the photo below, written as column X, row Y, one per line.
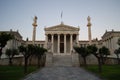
column 61, row 70
column 61, row 73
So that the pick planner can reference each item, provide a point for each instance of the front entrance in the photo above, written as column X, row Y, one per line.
column 61, row 47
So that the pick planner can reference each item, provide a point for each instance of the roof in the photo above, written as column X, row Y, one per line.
column 110, row 33
column 62, row 27
column 15, row 33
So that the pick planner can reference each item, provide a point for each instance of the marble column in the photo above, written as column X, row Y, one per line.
column 77, row 39
column 34, row 29
column 46, row 40
column 89, row 30
column 110, row 44
column 71, row 42
column 52, row 43
column 34, row 35
column 65, row 43
column 107, row 43
column 58, row 43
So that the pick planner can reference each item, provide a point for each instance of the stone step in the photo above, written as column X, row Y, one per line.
column 62, row 60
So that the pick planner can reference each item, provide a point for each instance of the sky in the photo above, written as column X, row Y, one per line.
column 19, row 14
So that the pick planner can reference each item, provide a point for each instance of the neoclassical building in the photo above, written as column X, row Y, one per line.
column 13, row 43
column 109, row 39
column 62, row 38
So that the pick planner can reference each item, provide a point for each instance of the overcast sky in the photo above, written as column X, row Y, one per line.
column 18, row 15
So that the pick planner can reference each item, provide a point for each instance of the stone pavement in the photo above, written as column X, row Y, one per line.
column 61, row 69
column 61, row 73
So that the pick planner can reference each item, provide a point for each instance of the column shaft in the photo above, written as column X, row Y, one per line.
column 77, row 35
column 89, row 34
column 71, row 44
column 111, row 43
column 34, row 35
column 52, row 43
column 58, row 43
column 46, row 40
column 64, row 43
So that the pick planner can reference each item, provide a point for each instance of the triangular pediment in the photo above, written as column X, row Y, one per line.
column 62, row 27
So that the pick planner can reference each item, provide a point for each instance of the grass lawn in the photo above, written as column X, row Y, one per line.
column 14, row 72
column 109, row 72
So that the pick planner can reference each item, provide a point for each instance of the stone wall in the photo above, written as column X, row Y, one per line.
column 111, row 61
column 20, row 61
column 49, row 59
column 91, row 60
column 16, row 61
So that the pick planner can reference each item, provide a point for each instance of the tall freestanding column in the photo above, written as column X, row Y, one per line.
column 34, row 29
column 89, row 30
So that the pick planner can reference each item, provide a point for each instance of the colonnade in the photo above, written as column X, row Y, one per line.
column 51, row 39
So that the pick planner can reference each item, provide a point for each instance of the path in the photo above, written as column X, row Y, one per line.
column 61, row 70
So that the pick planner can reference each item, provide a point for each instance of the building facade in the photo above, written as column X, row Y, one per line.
column 109, row 40
column 61, row 38
column 13, row 43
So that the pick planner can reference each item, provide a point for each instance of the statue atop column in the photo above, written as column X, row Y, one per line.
column 89, row 23
column 35, row 21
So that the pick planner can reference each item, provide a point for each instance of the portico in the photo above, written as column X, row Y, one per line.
column 62, row 38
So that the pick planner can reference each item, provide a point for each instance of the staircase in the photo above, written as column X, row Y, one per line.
column 62, row 60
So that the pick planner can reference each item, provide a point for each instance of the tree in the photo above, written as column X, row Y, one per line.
column 104, row 53
column 4, row 37
column 92, row 49
column 27, row 51
column 39, row 51
column 11, row 53
column 83, row 52
column 117, row 52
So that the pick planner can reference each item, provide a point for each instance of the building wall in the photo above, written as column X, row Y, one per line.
column 13, row 43
column 38, row 43
column 110, row 39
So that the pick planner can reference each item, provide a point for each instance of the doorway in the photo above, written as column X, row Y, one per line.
column 61, row 47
